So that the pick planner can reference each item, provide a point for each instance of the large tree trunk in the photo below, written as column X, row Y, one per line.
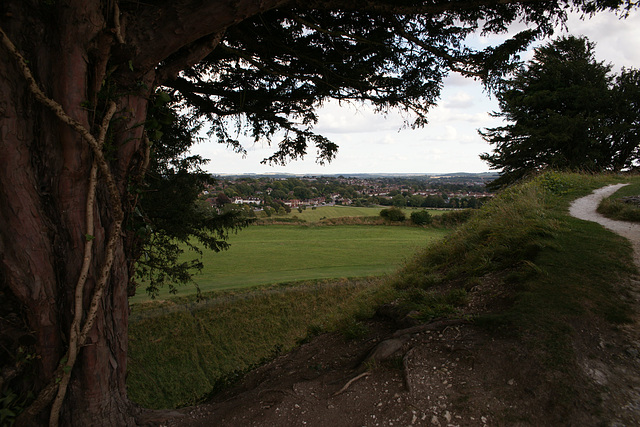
column 73, row 49
column 44, row 185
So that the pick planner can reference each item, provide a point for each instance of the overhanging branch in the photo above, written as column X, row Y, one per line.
column 187, row 57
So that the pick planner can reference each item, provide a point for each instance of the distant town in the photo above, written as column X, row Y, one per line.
column 286, row 192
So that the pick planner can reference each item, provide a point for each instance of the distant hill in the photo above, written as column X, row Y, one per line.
column 482, row 175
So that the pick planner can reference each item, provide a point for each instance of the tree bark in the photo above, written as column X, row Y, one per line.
column 44, row 181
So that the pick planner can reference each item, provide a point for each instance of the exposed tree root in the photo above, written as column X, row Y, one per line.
column 438, row 324
column 405, row 370
column 388, row 347
column 351, row 381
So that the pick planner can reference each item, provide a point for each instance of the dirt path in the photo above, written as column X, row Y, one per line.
column 585, row 208
column 620, row 374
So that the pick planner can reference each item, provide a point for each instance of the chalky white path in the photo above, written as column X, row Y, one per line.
column 585, row 208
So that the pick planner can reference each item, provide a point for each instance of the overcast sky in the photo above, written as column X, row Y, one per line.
column 371, row 143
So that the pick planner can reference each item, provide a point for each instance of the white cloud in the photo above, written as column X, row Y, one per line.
column 335, row 118
column 617, row 40
column 456, row 80
column 460, row 100
column 388, row 139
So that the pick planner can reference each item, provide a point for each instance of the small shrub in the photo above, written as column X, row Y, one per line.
column 393, row 214
column 454, row 218
column 554, row 182
column 432, row 305
column 421, row 217
column 8, row 410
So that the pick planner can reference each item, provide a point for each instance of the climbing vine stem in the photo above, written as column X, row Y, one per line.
column 57, row 389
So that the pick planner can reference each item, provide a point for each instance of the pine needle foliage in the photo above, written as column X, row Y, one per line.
column 565, row 110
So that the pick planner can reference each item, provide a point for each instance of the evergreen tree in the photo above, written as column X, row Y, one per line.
column 565, row 111
column 625, row 123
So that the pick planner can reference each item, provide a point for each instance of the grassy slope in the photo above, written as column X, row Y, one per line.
column 283, row 253
column 529, row 239
column 179, row 354
column 552, row 270
column 549, row 271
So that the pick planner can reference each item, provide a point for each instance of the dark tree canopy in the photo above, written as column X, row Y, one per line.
column 625, row 127
column 565, row 111
column 272, row 71
column 96, row 93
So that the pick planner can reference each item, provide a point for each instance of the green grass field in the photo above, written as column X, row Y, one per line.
column 322, row 212
column 285, row 253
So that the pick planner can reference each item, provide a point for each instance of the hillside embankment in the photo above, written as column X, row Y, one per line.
column 553, row 341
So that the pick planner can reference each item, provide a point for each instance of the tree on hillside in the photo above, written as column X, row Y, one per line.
column 566, row 111
column 78, row 83
column 624, row 135
column 399, row 201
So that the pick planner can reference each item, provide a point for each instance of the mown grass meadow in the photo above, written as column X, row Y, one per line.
column 314, row 215
column 262, row 255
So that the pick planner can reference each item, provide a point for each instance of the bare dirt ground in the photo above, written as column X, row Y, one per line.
column 448, row 373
